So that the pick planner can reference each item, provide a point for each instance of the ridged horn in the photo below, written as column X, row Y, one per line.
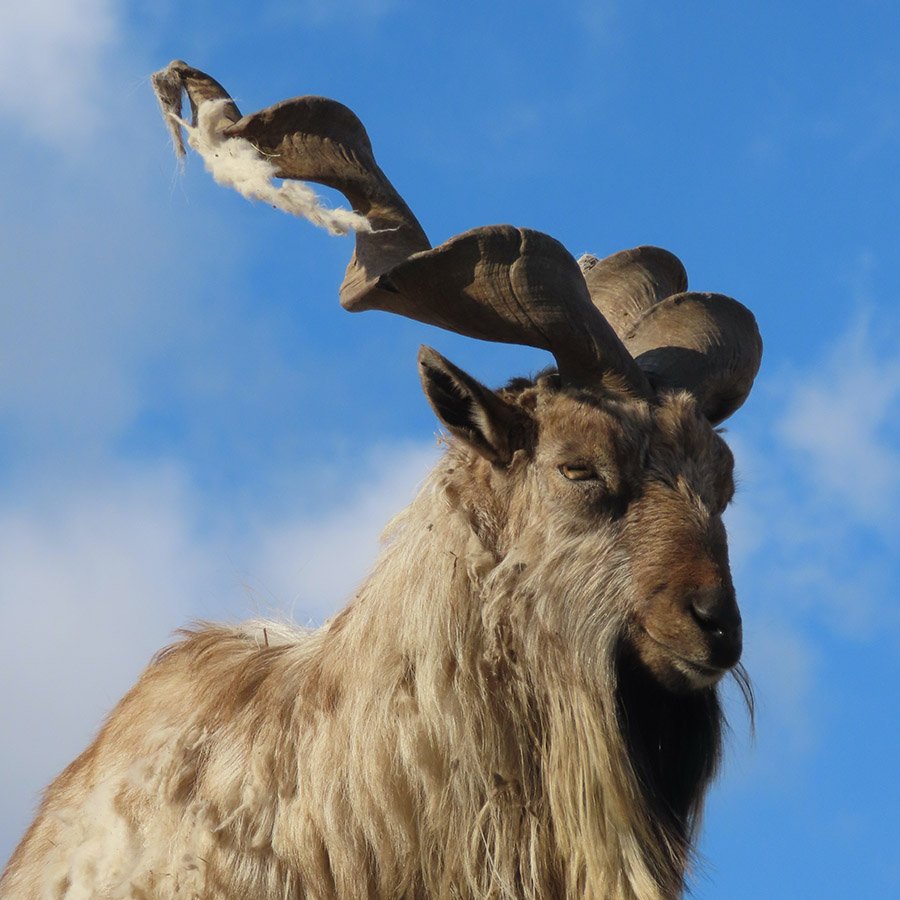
column 495, row 283
column 321, row 140
column 518, row 286
column 623, row 286
column 707, row 344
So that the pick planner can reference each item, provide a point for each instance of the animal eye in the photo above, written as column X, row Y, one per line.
column 579, row 472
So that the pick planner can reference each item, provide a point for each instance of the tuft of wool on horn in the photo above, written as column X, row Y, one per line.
column 234, row 162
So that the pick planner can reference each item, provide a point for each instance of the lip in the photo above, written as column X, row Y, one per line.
column 699, row 669
column 694, row 667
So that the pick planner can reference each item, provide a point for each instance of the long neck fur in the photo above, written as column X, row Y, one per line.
column 487, row 762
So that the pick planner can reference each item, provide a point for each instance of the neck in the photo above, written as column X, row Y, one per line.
column 505, row 771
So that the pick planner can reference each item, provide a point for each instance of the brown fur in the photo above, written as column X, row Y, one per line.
column 506, row 709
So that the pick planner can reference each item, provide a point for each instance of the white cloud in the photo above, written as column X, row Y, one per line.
column 746, row 526
column 51, row 65
column 94, row 580
column 90, row 306
column 102, row 277
column 307, row 563
column 90, row 586
column 786, row 675
column 813, row 530
column 837, row 420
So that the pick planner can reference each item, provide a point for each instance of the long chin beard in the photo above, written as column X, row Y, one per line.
column 674, row 740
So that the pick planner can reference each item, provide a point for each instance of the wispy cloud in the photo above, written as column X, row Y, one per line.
column 96, row 286
column 90, row 586
column 51, row 65
column 823, row 483
column 813, row 533
column 841, row 422
column 306, row 563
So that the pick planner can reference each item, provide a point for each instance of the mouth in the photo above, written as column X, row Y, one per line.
column 699, row 674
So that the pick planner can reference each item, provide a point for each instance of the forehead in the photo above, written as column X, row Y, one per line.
column 570, row 422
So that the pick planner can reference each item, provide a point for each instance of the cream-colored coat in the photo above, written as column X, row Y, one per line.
column 454, row 732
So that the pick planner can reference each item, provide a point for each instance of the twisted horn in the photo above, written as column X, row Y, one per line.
column 178, row 77
column 496, row 283
column 707, row 344
column 623, row 286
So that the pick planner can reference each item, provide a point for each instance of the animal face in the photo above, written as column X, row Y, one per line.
column 612, row 508
column 656, row 481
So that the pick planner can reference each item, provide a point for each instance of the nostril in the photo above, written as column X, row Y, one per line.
column 705, row 618
column 714, row 614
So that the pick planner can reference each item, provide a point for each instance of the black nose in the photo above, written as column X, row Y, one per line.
column 716, row 612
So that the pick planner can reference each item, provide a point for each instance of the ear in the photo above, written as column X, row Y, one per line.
column 469, row 410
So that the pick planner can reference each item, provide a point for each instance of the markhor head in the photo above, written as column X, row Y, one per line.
column 614, row 456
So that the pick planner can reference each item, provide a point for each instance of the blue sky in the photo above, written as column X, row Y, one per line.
column 190, row 426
